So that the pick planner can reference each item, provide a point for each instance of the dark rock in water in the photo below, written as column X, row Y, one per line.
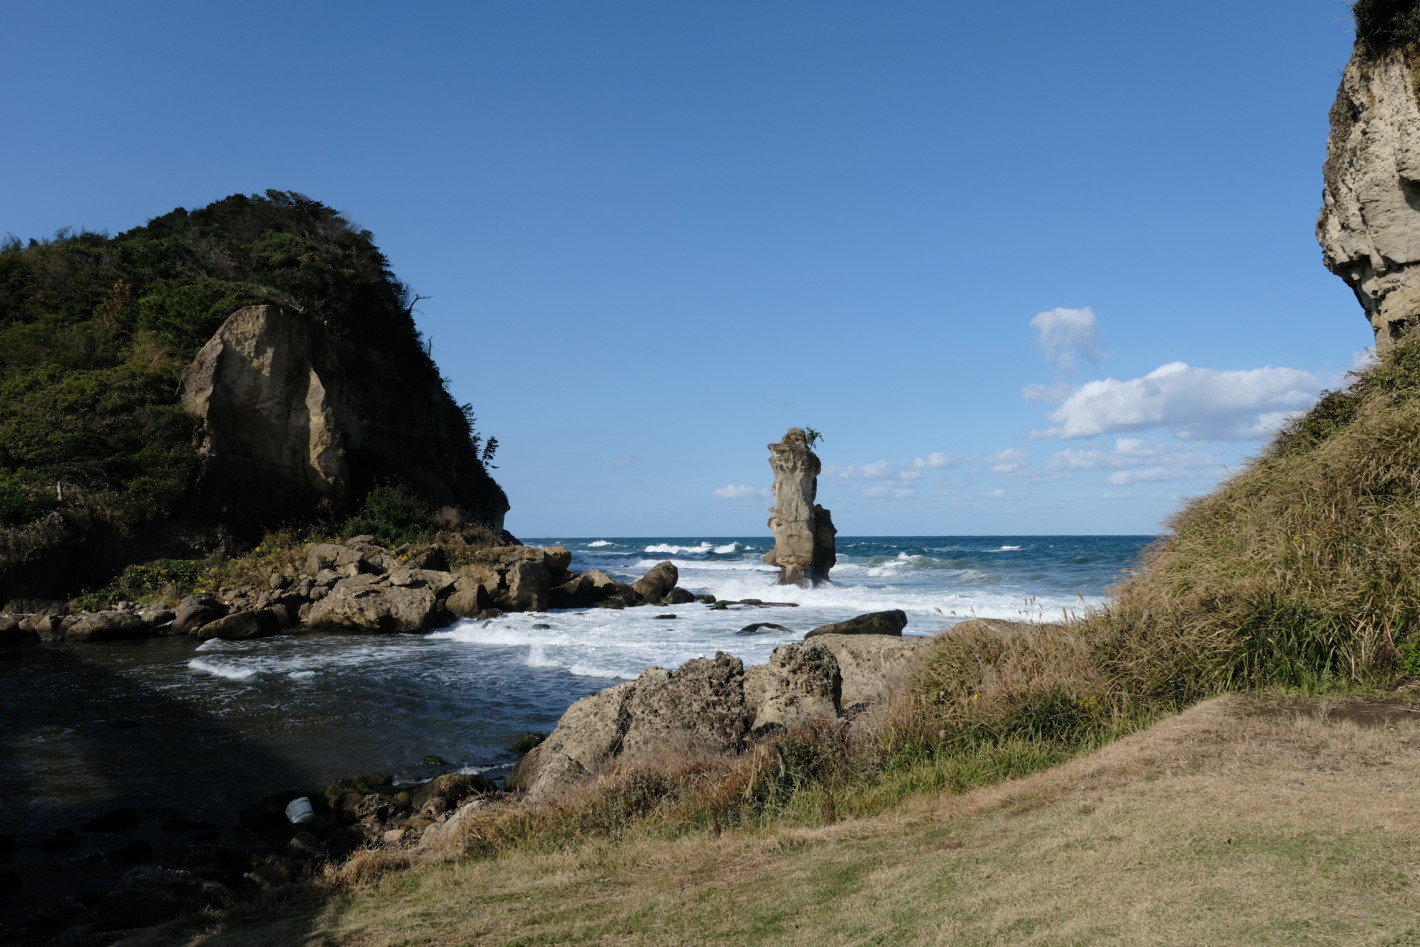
column 678, row 596
column 115, row 821
column 108, row 626
column 541, row 626
column 177, row 823
column 61, row 840
column 136, row 852
column 260, row 623
column 751, row 601
column 705, row 599
column 759, row 626
column 268, row 813
column 432, row 760
column 874, row 623
column 664, row 617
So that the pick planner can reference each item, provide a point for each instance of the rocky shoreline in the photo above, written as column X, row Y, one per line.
column 88, row 882
column 359, row 586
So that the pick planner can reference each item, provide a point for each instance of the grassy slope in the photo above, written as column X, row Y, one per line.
column 1234, row 823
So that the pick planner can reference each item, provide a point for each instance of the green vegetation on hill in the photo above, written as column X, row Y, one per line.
column 1384, row 23
column 96, row 330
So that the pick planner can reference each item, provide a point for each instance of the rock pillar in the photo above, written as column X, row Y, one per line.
column 803, row 530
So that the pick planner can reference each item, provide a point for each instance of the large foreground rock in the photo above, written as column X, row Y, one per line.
column 716, row 705
column 370, row 603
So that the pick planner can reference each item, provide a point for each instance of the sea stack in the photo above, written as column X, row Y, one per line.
column 803, row 530
column 1369, row 227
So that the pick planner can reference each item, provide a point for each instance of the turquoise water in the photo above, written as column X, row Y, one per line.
column 210, row 727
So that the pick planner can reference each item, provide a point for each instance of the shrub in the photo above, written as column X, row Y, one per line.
column 1384, row 23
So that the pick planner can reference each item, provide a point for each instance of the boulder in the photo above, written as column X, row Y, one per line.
column 678, row 596
column 800, row 684
column 194, row 612
column 12, row 633
column 657, row 583
column 441, row 583
column 528, row 588
column 701, row 703
column 469, row 599
column 239, row 626
column 369, row 603
column 557, row 559
column 803, row 531
column 449, row 791
column 576, row 592
column 870, row 667
column 890, row 622
column 588, row 734
column 46, row 626
column 108, row 626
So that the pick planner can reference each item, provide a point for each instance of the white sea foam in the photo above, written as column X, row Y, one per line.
column 600, row 542
column 1009, row 549
column 671, row 549
column 726, row 550
column 223, row 670
column 301, row 675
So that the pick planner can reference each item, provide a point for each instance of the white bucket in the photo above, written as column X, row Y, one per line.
column 299, row 810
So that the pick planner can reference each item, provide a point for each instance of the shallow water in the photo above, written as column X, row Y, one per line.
column 207, row 729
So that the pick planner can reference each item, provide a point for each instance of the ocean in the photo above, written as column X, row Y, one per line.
column 208, row 728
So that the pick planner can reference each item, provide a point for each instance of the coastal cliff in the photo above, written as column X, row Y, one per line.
column 1369, row 227
column 182, row 387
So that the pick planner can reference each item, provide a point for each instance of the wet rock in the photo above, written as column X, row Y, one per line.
column 108, row 626
column 136, row 852
column 194, row 612
column 368, row 603
column 678, row 596
column 261, row 623
column 889, row 622
column 761, row 626
column 657, row 583
column 115, row 820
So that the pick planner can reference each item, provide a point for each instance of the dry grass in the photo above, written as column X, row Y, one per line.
column 1241, row 821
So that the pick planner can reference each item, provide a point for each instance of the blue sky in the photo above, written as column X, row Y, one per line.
column 1030, row 267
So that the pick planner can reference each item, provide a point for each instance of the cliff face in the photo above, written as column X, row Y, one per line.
column 1369, row 227
column 293, row 416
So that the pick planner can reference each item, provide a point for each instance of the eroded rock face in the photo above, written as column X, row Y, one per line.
column 803, row 531
column 1369, row 227
column 289, row 405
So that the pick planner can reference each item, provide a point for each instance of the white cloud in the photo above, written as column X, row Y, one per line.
column 1007, row 461
column 877, row 470
column 994, row 494
column 1198, row 403
column 935, row 459
column 1123, row 478
column 738, row 492
column 1131, row 452
column 1065, row 333
column 625, row 460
